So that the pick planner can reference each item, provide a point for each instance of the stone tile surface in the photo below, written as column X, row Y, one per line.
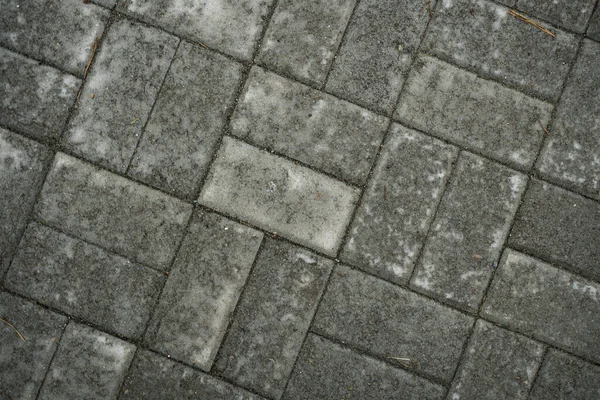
column 569, row 14
column 594, row 28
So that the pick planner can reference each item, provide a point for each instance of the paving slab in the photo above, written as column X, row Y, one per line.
column 397, row 208
column 594, row 28
column 308, row 125
column 390, row 322
column 475, row 113
column 84, row 281
column 376, row 54
column 272, row 317
column 89, row 364
column 23, row 363
column 560, row 227
column 203, row 288
column 537, row 299
column 482, row 36
column 356, row 376
column 119, row 93
column 498, row 364
column 187, row 121
column 105, row 3
column 103, row 208
column 569, row 14
column 35, row 98
column 571, row 154
column 469, row 231
column 279, row 195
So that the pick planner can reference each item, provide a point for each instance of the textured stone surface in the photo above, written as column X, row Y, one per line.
column 569, row 14
column 594, row 28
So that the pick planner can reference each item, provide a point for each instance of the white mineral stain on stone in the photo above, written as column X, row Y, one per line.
column 306, row 258
column 447, row 3
column 12, row 158
column 470, row 274
column 588, row 290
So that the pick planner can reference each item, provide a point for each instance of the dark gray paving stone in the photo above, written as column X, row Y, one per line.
column 326, row 370
column 105, row 3
column 60, row 32
column 23, row 364
column 385, row 320
column 35, row 98
column 228, row 25
column 469, row 231
column 594, row 28
column 560, row 227
column 552, row 305
column 303, row 37
column 180, row 138
column 568, row 14
column 483, row 36
column 124, row 81
column 84, row 281
column 509, row 3
column 203, row 288
column 472, row 112
column 113, row 212
column 498, row 364
column 565, row 377
column 308, row 125
column 89, row 364
column 272, row 317
column 391, row 224
column 571, row 155
column 279, row 195
column 376, row 54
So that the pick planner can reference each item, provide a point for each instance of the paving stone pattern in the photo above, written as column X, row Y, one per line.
column 278, row 199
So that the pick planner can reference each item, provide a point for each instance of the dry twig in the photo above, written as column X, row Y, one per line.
column 15, row 329
column 544, row 128
column 87, row 67
column 525, row 19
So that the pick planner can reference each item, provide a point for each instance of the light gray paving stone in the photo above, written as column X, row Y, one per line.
column 498, row 364
column 376, row 54
column 84, row 281
column 379, row 318
column 180, row 138
column 509, row 3
column 60, row 32
column 391, row 224
column 155, row 377
column 594, row 28
column 105, row 3
column 308, row 125
column 326, row 370
column 303, row 37
column 35, row 98
column 560, row 227
column 105, row 209
column 478, row 114
column 119, row 92
column 483, row 36
column 568, row 14
column 89, row 364
column 552, row 305
column 23, row 364
column 278, row 195
column 203, row 288
column 469, row 231
column 571, row 155
column 228, row 25
column 272, row 317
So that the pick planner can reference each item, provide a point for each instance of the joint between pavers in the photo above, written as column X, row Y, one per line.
column 537, row 372
column 41, row 61
column 62, row 333
column 461, row 359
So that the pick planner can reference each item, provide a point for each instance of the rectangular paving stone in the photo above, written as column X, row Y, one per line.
column 89, row 364
column 272, row 317
column 23, row 363
column 303, row 37
column 278, row 195
column 35, row 98
column 326, row 370
column 561, row 227
column 112, row 212
column 203, row 288
column 391, row 224
column 119, row 92
column 469, row 231
column 228, row 25
column 377, row 52
column 472, row 112
column 550, row 304
column 499, row 46
column 84, row 281
column 308, row 125
column 182, row 132
column 59, row 32
column 385, row 320
column 498, row 364
column 571, row 154
column 569, row 14
column 594, row 28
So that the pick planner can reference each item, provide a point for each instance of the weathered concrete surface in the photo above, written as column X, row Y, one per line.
column 594, row 28
column 569, row 14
